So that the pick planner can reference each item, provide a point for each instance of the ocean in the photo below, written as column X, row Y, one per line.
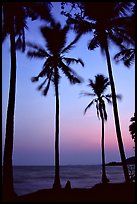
column 29, row 179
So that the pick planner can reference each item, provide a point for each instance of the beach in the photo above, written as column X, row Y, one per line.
column 111, row 192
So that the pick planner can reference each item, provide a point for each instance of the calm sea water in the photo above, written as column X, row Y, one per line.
column 28, row 179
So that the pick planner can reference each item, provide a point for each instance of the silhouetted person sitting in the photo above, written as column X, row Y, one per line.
column 68, row 185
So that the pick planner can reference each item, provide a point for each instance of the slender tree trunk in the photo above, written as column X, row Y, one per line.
column 116, row 117
column 57, row 184
column 104, row 177
column 8, row 189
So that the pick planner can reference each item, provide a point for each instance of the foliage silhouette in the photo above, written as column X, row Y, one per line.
column 127, row 55
column 99, row 87
column 55, row 60
column 106, row 21
column 132, row 128
column 14, row 22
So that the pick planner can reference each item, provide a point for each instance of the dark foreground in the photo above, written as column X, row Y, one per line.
column 99, row 193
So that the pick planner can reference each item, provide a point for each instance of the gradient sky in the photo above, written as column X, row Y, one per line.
column 80, row 135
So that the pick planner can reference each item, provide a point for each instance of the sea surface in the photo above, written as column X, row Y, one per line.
column 28, row 179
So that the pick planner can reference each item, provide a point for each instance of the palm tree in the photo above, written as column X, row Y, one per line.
column 106, row 21
column 14, row 24
column 99, row 87
column 55, row 60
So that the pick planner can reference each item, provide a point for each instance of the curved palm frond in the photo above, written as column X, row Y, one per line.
column 108, row 99
column 72, row 44
column 126, row 55
column 42, row 84
column 80, row 25
column 88, row 106
column 93, row 43
column 45, row 91
column 71, row 75
column 38, row 51
column 122, row 8
column 73, row 60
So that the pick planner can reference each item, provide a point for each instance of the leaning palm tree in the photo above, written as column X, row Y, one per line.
column 99, row 87
column 106, row 22
column 55, row 60
column 14, row 16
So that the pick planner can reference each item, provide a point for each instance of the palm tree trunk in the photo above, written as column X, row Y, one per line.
column 104, row 177
column 8, row 189
column 57, row 184
column 117, row 123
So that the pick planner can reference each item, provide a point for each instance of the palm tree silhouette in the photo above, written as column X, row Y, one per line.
column 55, row 60
column 99, row 87
column 14, row 16
column 106, row 21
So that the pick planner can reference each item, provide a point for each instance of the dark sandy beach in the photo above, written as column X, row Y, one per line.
column 99, row 193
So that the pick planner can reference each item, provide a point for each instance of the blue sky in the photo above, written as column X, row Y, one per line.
column 80, row 135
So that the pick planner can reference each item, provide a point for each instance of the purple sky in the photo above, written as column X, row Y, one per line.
column 80, row 135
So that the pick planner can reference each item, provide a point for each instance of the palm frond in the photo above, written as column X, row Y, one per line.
column 81, row 61
column 80, row 25
column 122, row 8
column 37, row 48
column 34, row 79
column 119, row 96
column 39, row 10
column 71, row 75
column 126, row 55
column 87, row 94
column 88, row 106
column 45, row 91
column 94, row 43
column 108, row 99
column 35, row 54
column 73, row 60
column 71, row 45
column 46, row 71
column 42, row 84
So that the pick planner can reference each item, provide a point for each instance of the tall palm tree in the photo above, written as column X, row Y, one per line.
column 99, row 87
column 106, row 21
column 55, row 60
column 14, row 16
